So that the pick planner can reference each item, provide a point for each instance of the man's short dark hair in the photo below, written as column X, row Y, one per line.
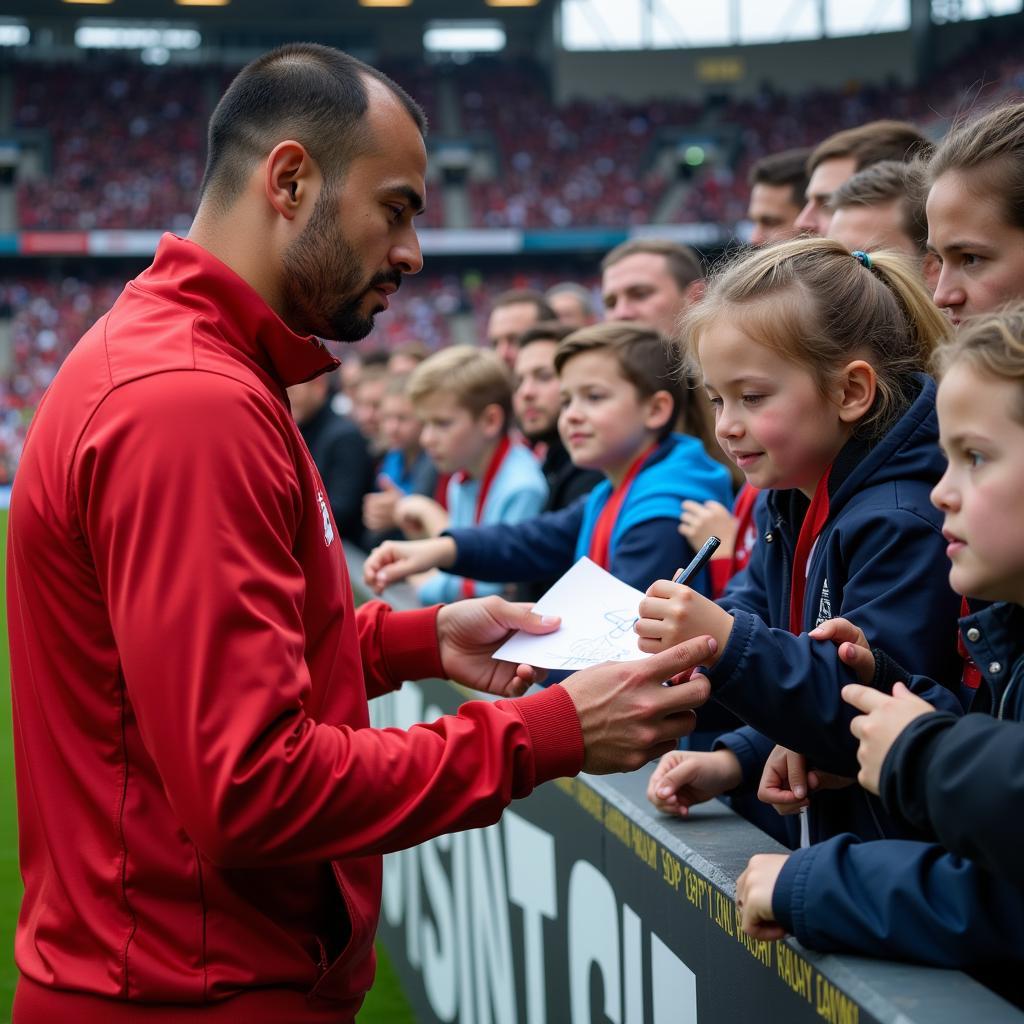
column 313, row 94
column 890, row 182
column 870, row 144
column 516, row 296
column 546, row 330
column 683, row 263
column 788, row 168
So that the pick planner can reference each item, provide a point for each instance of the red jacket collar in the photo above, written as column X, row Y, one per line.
column 186, row 273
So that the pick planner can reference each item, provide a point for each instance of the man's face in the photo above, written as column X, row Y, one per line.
column 366, row 405
column 870, row 228
column 400, row 426
column 505, row 325
column 816, row 215
column 641, row 287
column 569, row 310
column 537, row 399
column 359, row 239
column 773, row 214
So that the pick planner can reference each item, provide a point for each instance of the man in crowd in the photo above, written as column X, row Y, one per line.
column 572, row 304
column 202, row 803
column 882, row 207
column 513, row 312
column 340, row 451
column 777, row 186
column 841, row 155
column 651, row 279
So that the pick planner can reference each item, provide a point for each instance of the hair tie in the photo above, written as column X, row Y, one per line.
column 862, row 258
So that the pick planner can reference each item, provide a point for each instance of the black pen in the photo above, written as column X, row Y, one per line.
column 699, row 560
column 707, row 549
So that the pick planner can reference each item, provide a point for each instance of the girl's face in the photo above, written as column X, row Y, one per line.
column 982, row 490
column 980, row 255
column 771, row 418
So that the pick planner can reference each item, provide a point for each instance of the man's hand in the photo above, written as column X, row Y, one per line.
column 884, row 719
column 687, row 777
column 671, row 613
column 754, row 891
column 854, row 649
column 469, row 632
column 628, row 718
column 786, row 784
column 396, row 560
column 699, row 520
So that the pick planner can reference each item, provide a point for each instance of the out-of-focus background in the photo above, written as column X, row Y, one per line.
column 559, row 128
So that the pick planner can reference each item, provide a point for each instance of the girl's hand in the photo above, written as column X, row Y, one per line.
column 687, row 777
column 754, row 891
column 700, row 520
column 885, row 718
column 786, row 784
column 854, row 649
column 671, row 613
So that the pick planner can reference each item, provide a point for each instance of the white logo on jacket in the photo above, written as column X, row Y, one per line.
column 328, row 529
column 824, row 605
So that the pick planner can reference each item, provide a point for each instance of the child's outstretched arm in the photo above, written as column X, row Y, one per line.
column 880, row 899
column 687, row 777
column 962, row 780
column 788, row 686
column 396, row 560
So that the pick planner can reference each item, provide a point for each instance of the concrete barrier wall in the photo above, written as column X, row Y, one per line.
column 582, row 905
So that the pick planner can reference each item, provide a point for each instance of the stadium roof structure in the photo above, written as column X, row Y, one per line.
column 280, row 13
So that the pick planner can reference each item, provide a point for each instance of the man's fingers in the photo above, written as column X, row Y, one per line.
column 517, row 615
column 688, row 654
column 863, row 698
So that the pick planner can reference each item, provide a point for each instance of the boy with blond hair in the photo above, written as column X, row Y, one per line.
column 463, row 395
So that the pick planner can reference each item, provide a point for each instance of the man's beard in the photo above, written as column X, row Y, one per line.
column 318, row 267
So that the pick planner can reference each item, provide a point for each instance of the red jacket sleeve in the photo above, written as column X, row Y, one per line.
column 189, row 499
column 397, row 646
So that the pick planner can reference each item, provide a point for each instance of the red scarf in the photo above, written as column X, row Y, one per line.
column 504, row 446
column 601, row 538
column 814, row 521
column 972, row 674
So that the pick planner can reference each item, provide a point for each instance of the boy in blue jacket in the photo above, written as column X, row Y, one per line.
column 958, row 780
column 621, row 396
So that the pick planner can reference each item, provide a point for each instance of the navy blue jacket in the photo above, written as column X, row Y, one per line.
column 650, row 550
column 880, row 562
column 961, row 780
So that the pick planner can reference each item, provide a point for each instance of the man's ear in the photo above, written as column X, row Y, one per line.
column 660, row 408
column 694, row 292
column 855, row 391
column 291, row 180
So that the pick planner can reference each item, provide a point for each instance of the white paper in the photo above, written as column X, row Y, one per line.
column 597, row 612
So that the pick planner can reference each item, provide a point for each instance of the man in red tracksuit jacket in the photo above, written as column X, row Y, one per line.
column 202, row 803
